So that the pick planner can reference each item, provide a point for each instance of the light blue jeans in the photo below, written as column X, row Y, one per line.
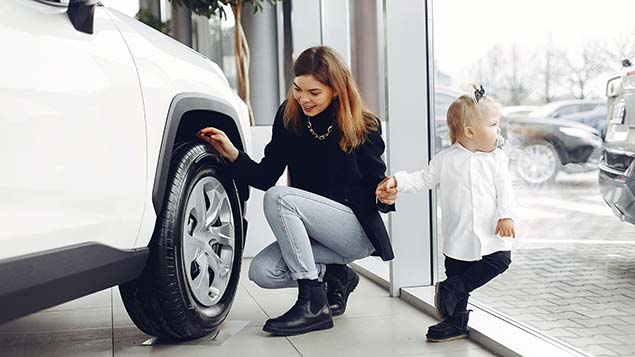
column 311, row 231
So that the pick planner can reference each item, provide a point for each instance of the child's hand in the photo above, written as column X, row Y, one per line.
column 505, row 228
column 386, row 191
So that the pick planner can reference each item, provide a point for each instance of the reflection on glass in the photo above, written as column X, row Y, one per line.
column 572, row 265
column 214, row 38
column 229, row 48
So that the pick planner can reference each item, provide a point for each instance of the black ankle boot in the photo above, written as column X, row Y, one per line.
column 340, row 280
column 311, row 312
column 447, row 294
column 452, row 328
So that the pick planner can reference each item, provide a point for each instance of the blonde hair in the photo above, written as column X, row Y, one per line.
column 354, row 120
column 466, row 111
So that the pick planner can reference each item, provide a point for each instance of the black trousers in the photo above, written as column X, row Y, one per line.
column 477, row 273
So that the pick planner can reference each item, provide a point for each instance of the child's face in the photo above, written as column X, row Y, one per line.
column 485, row 134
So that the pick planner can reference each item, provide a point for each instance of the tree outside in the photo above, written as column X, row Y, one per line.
column 543, row 74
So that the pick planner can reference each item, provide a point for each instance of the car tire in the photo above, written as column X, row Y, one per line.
column 538, row 164
column 189, row 282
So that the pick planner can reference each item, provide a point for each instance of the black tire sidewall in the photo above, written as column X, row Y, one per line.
column 194, row 162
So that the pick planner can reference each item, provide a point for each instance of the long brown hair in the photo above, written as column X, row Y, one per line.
column 354, row 120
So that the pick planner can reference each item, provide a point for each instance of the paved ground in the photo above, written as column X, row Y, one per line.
column 375, row 325
column 573, row 270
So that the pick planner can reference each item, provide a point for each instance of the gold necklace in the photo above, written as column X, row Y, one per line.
column 315, row 135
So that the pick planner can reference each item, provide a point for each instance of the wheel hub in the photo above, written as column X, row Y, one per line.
column 537, row 163
column 208, row 241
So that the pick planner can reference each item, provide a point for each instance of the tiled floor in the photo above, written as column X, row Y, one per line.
column 97, row 325
column 572, row 274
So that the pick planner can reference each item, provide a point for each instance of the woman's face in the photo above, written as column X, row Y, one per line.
column 312, row 95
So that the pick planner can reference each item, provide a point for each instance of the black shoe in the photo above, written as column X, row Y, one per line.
column 340, row 280
column 447, row 294
column 452, row 328
column 310, row 313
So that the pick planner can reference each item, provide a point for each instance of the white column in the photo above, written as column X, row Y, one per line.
column 306, row 24
column 336, row 30
column 262, row 34
column 407, row 85
column 322, row 22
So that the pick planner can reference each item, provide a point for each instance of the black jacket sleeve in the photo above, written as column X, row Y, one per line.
column 372, row 165
column 384, row 207
column 264, row 175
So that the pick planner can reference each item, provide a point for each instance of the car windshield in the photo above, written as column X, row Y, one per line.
column 544, row 111
column 517, row 110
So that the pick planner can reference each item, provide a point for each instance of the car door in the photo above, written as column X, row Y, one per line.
column 72, row 132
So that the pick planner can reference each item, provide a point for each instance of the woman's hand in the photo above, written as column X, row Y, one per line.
column 386, row 191
column 219, row 140
column 505, row 228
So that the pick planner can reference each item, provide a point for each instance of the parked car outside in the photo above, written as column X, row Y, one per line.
column 539, row 148
column 595, row 118
column 591, row 112
column 517, row 110
column 443, row 98
column 561, row 108
column 617, row 167
column 105, row 182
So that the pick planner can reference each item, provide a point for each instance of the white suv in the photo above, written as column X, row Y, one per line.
column 103, row 181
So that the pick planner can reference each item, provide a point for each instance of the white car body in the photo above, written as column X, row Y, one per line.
column 41, row 208
column 84, row 121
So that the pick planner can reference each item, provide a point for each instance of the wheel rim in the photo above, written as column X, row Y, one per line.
column 208, row 241
column 537, row 163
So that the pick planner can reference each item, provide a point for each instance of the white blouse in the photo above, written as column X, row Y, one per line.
column 475, row 192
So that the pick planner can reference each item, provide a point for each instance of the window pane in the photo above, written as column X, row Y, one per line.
column 572, row 268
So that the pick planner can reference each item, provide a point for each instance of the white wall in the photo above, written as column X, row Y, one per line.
column 259, row 235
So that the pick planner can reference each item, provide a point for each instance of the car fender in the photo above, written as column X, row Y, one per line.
column 182, row 104
column 174, row 80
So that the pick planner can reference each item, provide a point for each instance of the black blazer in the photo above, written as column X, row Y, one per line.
column 321, row 167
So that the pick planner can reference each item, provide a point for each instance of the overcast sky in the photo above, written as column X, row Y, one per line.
column 465, row 29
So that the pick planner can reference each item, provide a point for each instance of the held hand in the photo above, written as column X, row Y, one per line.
column 505, row 228
column 219, row 140
column 386, row 191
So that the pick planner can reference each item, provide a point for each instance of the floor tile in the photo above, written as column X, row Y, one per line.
column 98, row 325
column 79, row 319
column 98, row 299
column 250, row 341
column 386, row 335
column 92, row 348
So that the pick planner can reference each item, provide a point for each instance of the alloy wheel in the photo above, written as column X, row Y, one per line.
column 537, row 163
column 208, row 241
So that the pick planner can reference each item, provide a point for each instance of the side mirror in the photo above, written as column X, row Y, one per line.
column 82, row 14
